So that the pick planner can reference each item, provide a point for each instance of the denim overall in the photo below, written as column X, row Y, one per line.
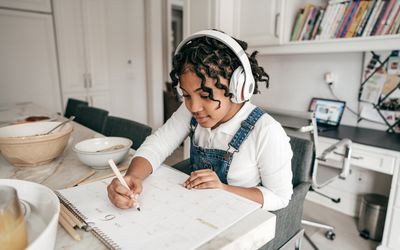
column 220, row 160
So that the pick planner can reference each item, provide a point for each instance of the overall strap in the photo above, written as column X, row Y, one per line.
column 193, row 125
column 245, row 128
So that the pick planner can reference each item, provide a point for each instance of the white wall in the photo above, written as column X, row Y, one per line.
column 126, row 59
column 295, row 79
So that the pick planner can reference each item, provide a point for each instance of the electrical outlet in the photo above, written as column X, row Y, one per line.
column 330, row 78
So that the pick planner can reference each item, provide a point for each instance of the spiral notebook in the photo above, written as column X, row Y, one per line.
column 171, row 216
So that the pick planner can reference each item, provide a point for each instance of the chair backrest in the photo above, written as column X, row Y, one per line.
column 303, row 154
column 137, row 132
column 91, row 117
column 288, row 219
column 72, row 107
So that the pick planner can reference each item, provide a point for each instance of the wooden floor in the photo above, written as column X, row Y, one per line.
column 347, row 237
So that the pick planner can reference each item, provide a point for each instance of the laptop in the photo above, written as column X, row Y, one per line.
column 328, row 113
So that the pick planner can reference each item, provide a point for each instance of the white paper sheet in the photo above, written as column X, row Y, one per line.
column 171, row 216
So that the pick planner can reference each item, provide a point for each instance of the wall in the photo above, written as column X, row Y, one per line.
column 295, row 79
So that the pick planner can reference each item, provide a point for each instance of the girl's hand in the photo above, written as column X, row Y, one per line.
column 120, row 196
column 204, row 178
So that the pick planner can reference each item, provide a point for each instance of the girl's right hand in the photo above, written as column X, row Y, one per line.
column 120, row 196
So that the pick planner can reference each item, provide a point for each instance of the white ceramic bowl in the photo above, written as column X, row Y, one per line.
column 42, row 221
column 25, row 145
column 97, row 151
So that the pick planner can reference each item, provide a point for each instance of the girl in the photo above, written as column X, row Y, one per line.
column 235, row 145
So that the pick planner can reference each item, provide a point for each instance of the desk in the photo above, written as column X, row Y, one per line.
column 373, row 150
column 251, row 232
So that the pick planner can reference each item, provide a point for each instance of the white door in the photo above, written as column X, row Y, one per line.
column 28, row 63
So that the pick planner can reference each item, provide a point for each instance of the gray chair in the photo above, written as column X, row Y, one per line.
column 91, row 117
column 72, row 107
column 289, row 230
column 137, row 132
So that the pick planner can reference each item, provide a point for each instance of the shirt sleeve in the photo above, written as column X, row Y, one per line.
column 274, row 160
column 158, row 146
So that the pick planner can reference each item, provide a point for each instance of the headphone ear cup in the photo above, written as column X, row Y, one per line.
column 236, row 85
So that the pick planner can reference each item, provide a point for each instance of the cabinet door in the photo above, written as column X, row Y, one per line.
column 35, row 5
column 95, row 43
column 259, row 21
column 28, row 62
column 198, row 15
column 70, row 43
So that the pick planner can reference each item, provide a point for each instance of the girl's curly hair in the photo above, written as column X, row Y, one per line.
column 214, row 58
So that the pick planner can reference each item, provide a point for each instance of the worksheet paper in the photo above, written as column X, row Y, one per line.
column 171, row 216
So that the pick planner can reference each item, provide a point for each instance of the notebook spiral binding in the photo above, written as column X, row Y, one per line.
column 107, row 241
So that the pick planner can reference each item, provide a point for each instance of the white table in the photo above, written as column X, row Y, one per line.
column 251, row 232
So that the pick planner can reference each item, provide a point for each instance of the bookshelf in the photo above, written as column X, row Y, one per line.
column 290, row 9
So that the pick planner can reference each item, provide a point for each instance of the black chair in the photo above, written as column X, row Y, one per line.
column 288, row 220
column 72, row 107
column 137, row 132
column 91, row 117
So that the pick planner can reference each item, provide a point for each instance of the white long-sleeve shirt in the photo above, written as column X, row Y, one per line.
column 263, row 160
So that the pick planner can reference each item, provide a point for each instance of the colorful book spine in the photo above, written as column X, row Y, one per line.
column 296, row 25
column 345, row 18
column 357, row 18
column 373, row 17
column 317, row 26
column 380, row 17
column 392, row 26
column 385, row 16
column 351, row 19
column 391, row 18
column 366, row 17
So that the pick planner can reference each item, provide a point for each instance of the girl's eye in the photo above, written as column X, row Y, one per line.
column 204, row 96
column 186, row 96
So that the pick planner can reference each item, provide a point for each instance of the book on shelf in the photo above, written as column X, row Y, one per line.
column 351, row 19
column 340, row 19
column 391, row 18
column 357, row 19
column 365, row 18
column 381, row 15
column 317, row 25
column 373, row 18
column 347, row 18
column 303, row 21
column 395, row 24
column 388, row 17
column 296, row 25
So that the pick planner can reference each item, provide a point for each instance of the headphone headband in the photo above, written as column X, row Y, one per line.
column 228, row 41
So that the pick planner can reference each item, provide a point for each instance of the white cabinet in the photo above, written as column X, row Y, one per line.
column 258, row 22
column 28, row 62
column 33, row 5
column 81, row 40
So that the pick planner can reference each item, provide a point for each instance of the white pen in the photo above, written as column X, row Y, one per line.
column 121, row 179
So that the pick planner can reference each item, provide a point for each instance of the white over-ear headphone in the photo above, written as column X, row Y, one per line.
column 242, row 81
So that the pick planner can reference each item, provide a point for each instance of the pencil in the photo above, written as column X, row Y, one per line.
column 68, row 213
column 122, row 168
column 77, row 182
column 121, row 179
column 70, row 230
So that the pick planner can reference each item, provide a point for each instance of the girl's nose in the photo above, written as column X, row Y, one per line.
column 195, row 105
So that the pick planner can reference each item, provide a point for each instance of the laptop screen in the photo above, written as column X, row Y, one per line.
column 327, row 112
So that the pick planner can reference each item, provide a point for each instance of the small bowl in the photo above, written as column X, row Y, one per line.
column 97, row 151
column 24, row 145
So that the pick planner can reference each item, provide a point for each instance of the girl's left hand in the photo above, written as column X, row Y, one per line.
column 204, row 178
